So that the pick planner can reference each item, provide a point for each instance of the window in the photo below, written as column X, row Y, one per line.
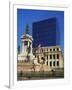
column 54, row 49
column 47, row 62
column 50, row 56
column 57, row 63
column 47, row 57
column 54, row 63
column 50, row 63
column 57, row 49
column 50, row 49
column 57, row 56
column 54, row 56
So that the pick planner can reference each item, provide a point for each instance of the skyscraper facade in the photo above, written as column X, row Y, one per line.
column 46, row 33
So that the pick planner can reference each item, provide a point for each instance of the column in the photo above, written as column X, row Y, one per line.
column 22, row 46
column 28, row 43
column 31, row 48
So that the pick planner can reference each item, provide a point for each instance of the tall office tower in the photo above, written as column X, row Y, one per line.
column 46, row 33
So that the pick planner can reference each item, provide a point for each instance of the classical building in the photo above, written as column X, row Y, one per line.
column 51, row 57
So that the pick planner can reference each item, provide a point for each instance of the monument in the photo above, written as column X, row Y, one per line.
column 26, row 47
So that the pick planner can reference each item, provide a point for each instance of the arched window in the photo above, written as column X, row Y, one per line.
column 57, row 49
column 50, row 49
column 54, row 49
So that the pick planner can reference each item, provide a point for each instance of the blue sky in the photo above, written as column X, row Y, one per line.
column 28, row 16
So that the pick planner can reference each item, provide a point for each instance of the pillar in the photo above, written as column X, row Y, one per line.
column 31, row 48
column 22, row 46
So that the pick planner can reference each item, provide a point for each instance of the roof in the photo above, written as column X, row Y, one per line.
column 26, row 36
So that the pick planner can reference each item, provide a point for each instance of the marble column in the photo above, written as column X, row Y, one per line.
column 31, row 48
column 22, row 46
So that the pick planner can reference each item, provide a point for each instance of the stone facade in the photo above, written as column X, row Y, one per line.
column 51, row 57
column 46, row 59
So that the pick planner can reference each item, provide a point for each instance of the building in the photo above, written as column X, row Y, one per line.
column 51, row 57
column 46, row 33
column 41, row 58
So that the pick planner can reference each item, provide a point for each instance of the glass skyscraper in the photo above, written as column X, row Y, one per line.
column 46, row 33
